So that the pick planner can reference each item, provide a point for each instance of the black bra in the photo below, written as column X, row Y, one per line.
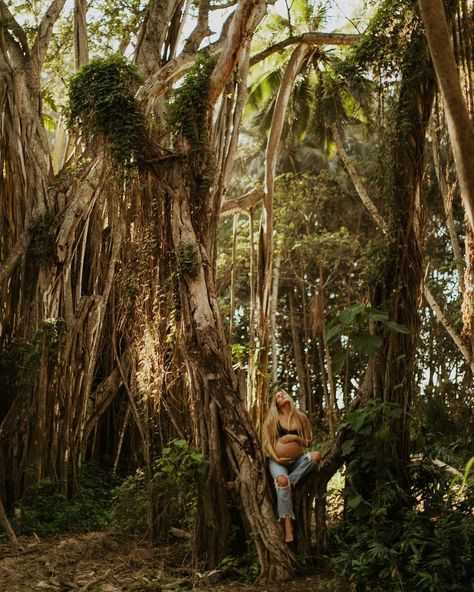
column 283, row 432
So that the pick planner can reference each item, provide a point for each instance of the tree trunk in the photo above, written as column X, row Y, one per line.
column 7, row 528
column 460, row 127
column 258, row 364
column 214, row 386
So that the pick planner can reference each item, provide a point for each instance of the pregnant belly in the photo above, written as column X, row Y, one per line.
column 289, row 450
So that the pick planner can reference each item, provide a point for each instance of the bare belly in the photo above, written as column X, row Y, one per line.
column 289, row 450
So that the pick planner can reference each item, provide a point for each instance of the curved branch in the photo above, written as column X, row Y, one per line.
column 245, row 18
column 309, row 39
column 7, row 267
column 243, row 203
column 45, row 31
column 9, row 22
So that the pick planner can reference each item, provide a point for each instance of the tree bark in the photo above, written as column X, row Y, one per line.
column 258, row 363
column 460, row 126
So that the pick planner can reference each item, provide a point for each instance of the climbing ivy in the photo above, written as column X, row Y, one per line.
column 102, row 105
column 188, row 107
column 189, row 116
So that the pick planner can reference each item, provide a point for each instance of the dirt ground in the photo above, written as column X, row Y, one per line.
column 107, row 562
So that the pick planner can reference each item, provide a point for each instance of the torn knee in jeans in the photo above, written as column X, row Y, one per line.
column 282, row 482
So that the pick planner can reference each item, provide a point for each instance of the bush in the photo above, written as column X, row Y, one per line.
column 173, row 488
column 395, row 541
column 45, row 511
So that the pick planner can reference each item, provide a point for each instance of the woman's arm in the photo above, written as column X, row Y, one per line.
column 273, row 455
column 306, row 438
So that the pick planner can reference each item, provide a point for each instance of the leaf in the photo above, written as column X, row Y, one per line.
column 367, row 344
column 338, row 361
column 355, row 501
column 348, row 447
column 376, row 315
column 356, row 421
column 181, row 443
column 349, row 314
column 333, row 332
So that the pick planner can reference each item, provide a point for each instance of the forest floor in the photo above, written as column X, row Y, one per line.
column 109, row 562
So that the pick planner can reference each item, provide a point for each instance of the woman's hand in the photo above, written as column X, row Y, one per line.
column 290, row 438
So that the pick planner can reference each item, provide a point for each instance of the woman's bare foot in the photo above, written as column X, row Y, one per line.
column 288, row 530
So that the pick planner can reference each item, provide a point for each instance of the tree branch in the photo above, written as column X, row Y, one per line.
column 158, row 83
column 309, row 39
column 243, row 203
column 244, row 20
column 45, row 31
column 7, row 267
column 10, row 23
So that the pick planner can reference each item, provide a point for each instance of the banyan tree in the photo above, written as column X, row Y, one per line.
column 109, row 312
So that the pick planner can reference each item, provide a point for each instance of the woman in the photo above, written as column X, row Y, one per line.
column 286, row 432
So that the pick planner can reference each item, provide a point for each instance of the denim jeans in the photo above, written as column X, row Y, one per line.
column 294, row 471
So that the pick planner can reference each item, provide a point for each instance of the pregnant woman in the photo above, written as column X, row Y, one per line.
column 286, row 432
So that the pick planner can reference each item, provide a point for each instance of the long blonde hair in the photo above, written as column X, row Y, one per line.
column 270, row 430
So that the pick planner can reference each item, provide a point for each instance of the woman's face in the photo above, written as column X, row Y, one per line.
column 282, row 398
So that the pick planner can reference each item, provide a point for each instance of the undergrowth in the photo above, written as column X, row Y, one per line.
column 392, row 540
column 45, row 511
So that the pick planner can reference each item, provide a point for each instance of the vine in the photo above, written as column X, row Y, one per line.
column 190, row 117
column 103, row 106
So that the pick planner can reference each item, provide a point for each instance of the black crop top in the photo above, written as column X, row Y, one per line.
column 283, row 432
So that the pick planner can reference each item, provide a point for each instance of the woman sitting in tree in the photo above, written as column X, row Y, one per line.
column 286, row 432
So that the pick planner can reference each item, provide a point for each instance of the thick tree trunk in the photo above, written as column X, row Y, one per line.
column 461, row 130
column 402, row 289
column 214, row 387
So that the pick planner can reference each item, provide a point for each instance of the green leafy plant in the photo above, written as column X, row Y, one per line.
column 394, row 540
column 177, row 474
column 102, row 105
column 351, row 327
column 187, row 260
column 46, row 511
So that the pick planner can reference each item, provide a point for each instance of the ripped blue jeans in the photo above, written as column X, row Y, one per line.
column 294, row 472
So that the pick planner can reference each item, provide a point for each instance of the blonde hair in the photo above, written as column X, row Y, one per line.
column 270, row 429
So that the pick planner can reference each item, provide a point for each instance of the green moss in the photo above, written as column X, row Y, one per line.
column 187, row 260
column 188, row 107
column 189, row 115
column 102, row 105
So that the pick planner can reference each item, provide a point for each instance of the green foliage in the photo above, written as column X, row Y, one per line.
column 20, row 360
column 45, row 511
column 424, row 544
column 176, row 478
column 352, row 324
column 43, row 238
column 102, row 105
column 386, row 39
column 189, row 115
column 177, row 474
column 187, row 260
column 129, row 501
column 188, row 108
